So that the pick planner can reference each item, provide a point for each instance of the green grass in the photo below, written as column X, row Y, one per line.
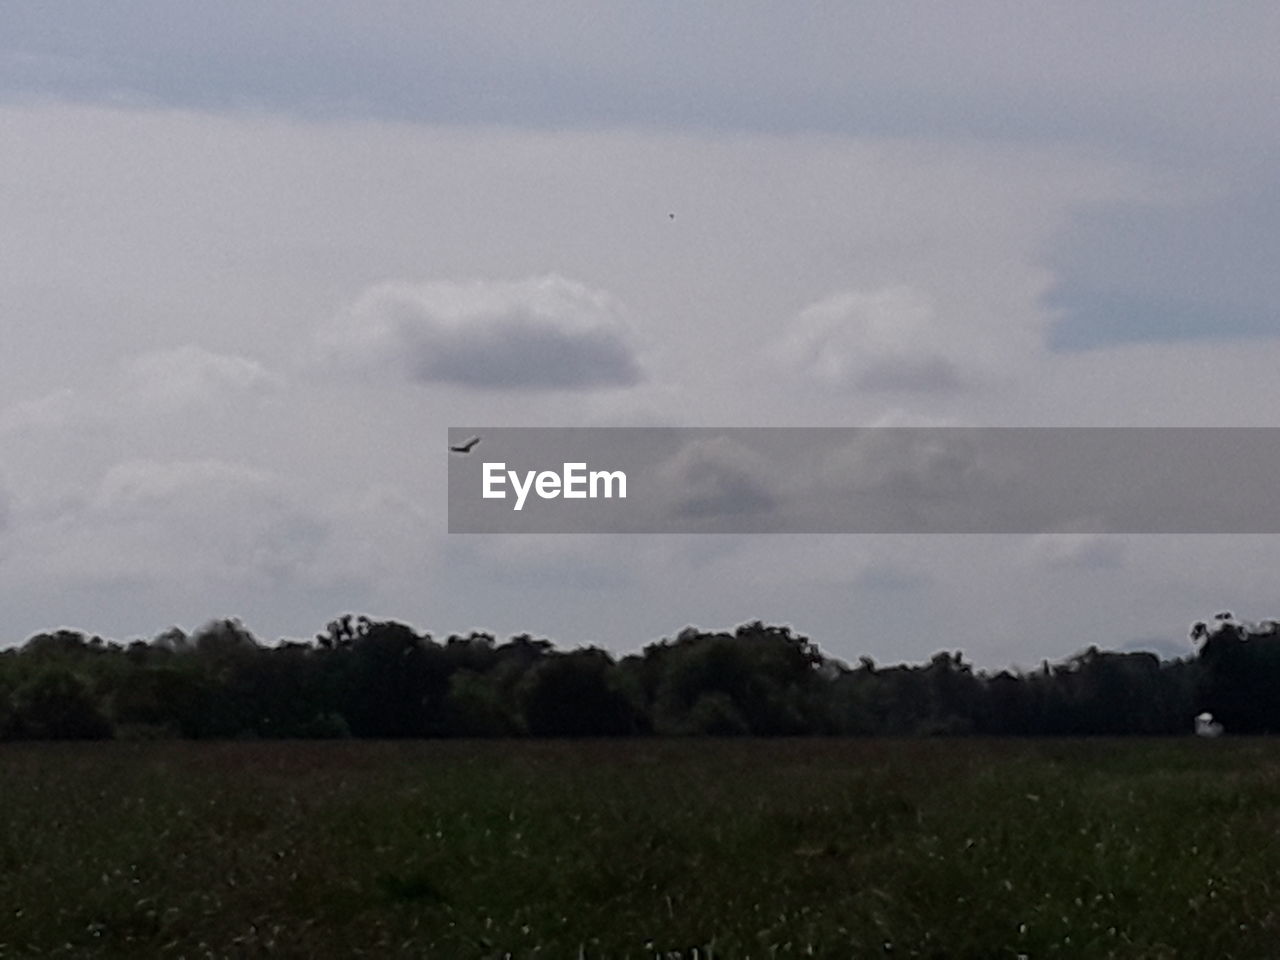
column 948, row 848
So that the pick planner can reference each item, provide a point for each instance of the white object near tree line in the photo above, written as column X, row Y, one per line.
column 1206, row 727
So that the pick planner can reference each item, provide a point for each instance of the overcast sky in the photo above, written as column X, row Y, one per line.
column 255, row 259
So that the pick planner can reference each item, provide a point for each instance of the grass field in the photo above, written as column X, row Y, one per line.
column 732, row 849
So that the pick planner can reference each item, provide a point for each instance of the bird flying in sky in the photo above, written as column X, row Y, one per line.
column 465, row 447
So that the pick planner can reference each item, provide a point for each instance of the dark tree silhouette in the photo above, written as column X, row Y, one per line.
column 373, row 678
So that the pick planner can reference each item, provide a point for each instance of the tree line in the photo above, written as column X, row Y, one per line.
column 381, row 678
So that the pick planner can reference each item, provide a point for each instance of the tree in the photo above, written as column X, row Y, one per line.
column 398, row 681
column 575, row 695
column 767, row 674
column 57, row 704
column 1240, row 674
column 475, row 707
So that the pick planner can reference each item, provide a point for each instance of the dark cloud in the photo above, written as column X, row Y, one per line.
column 522, row 351
column 718, row 479
column 545, row 333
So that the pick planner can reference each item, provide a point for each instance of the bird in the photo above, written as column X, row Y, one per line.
column 465, row 447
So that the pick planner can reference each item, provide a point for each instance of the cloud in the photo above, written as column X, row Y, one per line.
column 154, row 382
column 180, row 522
column 49, row 412
column 152, row 541
column 1079, row 551
column 718, row 478
column 919, row 466
column 543, row 333
column 148, row 487
column 165, row 228
column 175, row 379
column 885, row 341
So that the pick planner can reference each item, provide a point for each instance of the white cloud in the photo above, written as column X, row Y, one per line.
column 196, row 525
column 889, row 340
column 49, row 412
column 176, row 379
column 146, row 487
column 543, row 333
column 150, row 384
column 900, row 341
column 166, row 405
column 154, row 541
column 247, row 525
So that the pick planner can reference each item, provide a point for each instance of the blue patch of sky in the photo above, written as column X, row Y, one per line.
column 1164, row 274
column 819, row 69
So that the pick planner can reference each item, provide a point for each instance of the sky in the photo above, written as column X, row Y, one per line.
column 255, row 260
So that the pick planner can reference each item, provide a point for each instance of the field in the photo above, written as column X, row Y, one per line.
column 732, row 849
